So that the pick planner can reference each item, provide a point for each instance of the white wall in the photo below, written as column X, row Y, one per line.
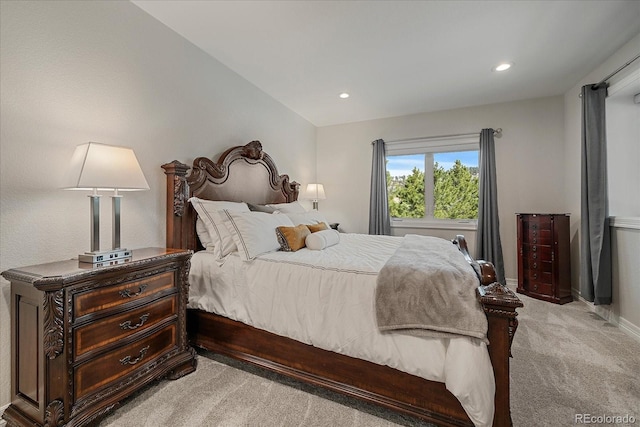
column 529, row 156
column 623, row 133
column 73, row 72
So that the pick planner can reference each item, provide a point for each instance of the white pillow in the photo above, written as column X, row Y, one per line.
column 293, row 207
column 322, row 239
column 210, row 213
column 311, row 217
column 203, row 235
column 254, row 233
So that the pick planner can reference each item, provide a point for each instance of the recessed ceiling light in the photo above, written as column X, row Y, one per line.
column 344, row 95
column 503, row 66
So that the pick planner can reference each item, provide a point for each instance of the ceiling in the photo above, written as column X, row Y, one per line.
column 402, row 57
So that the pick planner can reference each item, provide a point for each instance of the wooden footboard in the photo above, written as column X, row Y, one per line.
column 374, row 383
column 377, row 384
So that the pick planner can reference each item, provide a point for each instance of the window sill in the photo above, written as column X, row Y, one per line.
column 435, row 224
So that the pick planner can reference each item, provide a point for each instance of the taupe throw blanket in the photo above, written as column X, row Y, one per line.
column 427, row 288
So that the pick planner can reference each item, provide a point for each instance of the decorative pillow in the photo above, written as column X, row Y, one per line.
column 311, row 217
column 293, row 207
column 314, row 228
column 210, row 213
column 203, row 235
column 292, row 238
column 260, row 208
column 322, row 239
column 254, row 232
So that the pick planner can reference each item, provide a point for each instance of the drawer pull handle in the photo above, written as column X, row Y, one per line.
column 127, row 293
column 127, row 360
column 535, row 265
column 535, row 248
column 127, row 324
column 535, row 275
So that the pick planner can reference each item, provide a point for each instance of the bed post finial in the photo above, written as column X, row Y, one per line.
column 177, row 196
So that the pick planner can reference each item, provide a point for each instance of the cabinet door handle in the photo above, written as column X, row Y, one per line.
column 127, row 324
column 127, row 360
column 126, row 293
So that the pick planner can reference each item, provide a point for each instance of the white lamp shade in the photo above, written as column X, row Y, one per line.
column 105, row 167
column 314, row 192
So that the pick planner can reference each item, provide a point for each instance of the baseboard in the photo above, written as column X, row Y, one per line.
column 3, row 423
column 605, row 312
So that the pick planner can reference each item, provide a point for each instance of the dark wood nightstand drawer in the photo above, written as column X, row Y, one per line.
column 115, row 364
column 111, row 296
column 114, row 328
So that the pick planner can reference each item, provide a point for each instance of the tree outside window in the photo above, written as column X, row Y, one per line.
column 439, row 185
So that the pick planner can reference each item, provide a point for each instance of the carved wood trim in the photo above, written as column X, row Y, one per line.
column 205, row 169
column 54, row 414
column 53, row 323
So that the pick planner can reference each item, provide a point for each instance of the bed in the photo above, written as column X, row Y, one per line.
column 248, row 174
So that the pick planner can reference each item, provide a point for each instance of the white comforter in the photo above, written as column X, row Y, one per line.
column 326, row 299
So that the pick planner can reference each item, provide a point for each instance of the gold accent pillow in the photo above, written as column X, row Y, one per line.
column 317, row 227
column 292, row 238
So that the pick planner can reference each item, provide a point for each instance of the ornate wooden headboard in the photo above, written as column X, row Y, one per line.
column 243, row 173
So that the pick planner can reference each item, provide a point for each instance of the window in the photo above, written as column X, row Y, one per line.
column 433, row 179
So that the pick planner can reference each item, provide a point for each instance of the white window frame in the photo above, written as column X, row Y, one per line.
column 429, row 146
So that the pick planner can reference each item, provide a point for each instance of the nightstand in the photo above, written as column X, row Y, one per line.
column 84, row 337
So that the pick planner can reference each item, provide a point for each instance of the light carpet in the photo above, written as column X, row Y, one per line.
column 567, row 361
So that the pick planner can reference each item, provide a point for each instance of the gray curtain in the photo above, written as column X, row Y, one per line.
column 595, row 243
column 379, row 220
column 488, row 245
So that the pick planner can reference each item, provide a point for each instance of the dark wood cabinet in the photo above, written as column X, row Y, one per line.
column 544, row 258
column 84, row 336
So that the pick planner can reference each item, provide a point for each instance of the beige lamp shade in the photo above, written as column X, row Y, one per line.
column 104, row 167
column 314, row 192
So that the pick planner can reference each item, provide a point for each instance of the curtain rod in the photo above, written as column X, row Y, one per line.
column 497, row 133
column 615, row 72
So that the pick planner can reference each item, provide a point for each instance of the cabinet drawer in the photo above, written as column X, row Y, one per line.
column 537, row 237
column 111, row 296
column 537, row 252
column 532, row 265
column 103, row 370
column 540, row 288
column 540, row 277
column 538, row 222
column 114, row 328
